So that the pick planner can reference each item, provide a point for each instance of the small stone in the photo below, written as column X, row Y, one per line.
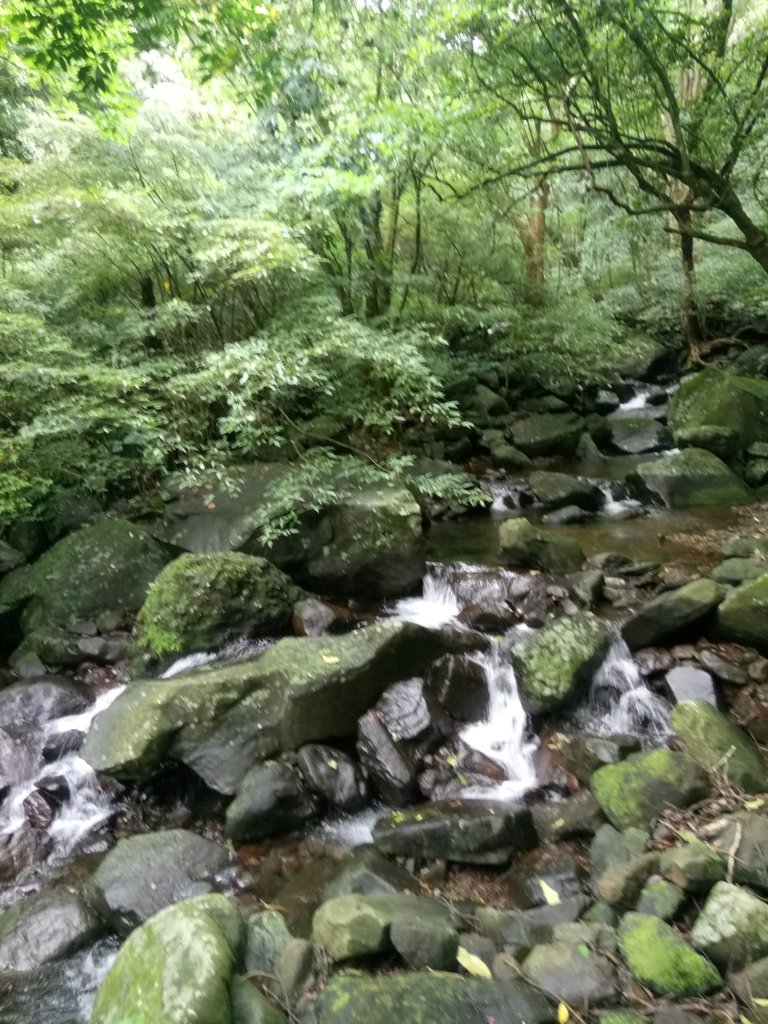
column 425, row 945
column 687, row 683
column 694, row 866
column 577, row 815
column 293, row 970
column 573, row 974
column 732, row 929
column 660, row 898
column 266, row 936
column 723, row 669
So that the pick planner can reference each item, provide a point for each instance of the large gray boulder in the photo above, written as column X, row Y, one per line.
column 525, row 546
column 715, row 743
column 548, row 433
column 742, row 617
column 686, row 479
column 732, row 928
column 221, row 721
column 665, row 616
column 45, row 927
column 720, row 411
column 556, row 490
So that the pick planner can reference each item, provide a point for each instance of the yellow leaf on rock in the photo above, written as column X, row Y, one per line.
column 330, row 659
column 563, row 1014
column 549, row 893
column 472, row 964
column 752, row 805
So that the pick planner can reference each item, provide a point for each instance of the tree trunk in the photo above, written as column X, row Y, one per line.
column 378, row 288
column 689, row 313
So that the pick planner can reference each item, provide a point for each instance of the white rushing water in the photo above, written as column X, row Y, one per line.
column 351, row 830
column 637, row 401
column 621, row 703
column 503, row 735
column 614, row 507
column 446, row 589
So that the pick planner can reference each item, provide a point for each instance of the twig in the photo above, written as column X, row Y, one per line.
column 732, row 852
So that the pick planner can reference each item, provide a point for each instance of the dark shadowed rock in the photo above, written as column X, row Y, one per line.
column 332, row 776
column 271, row 799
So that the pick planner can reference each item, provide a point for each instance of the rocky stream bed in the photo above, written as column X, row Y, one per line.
column 511, row 773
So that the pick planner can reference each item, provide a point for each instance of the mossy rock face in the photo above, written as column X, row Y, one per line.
column 671, row 613
column 550, row 666
column 686, row 479
column 198, row 602
column 720, row 411
column 176, row 968
column 743, row 615
column 714, row 742
column 660, row 959
column 525, row 546
column 732, row 929
column 433, row 998
column 107, row 567
column 637, row 790
column 221, row 721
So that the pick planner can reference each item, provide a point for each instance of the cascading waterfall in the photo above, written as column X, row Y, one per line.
column 446, row 589
column 621, row 703
column 502, row 736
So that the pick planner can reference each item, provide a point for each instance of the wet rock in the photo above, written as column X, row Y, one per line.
column 586, row 586
column 606, row 401
column 466, row 831
column 62, row 743
column 552, row 664
column 144, row 873
column 687, row 479
column 293, row 970
column 403, row 710
column 637, row 790
column 578, row 815
column 312, row 617
column 45, row 927
column 621, row 884
column 557, row 490
column 37, row 810
column 199, row 602
column 715, row 743
column 368, row 872
column 611, row 847
column 694, row 866
column 434, row 998
column 741, row 617
column 492, row 617
column 635, row 435
column 354, row 925
column 18, row 760
column 332, row 776
column 267, row 936
column 661, row 960
column 548, row 433
column 271, row 799
column 688, row 683
column 584, row 754
column 425, row 944
column 21, row 850
column 506, row 456
column 249, row 1006
column 722, row 668
column 660, row 898
column 745, row 839
column 670, row 613
column 537, row 874
column 751, row 986
column 460, row 685
column 525, row 546
column 732, row 929
column 391, row 766
column 176, row 968
column 222, row 720
column 566, row 515
column 719, row 411
column 573, row 974
column 735, row 571
column 27, row 706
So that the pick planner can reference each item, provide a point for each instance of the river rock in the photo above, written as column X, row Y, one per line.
column 715, row 743
column 270, row 799
column 661, row 960
column 735, row 571
column 741, row 617
column 506, row 456
column 45, row 927
column 523, row 545
column 611, row 847
column 687, row 479
column 584, row 753
column 199, row 602
column 220, row 721
column 354, row 925
column 577, row 815
column 105, row 567
column 660, row 898
column 332, row 776
column 635, row 435
column 266, row 937
column 466, row 831
column 518, row 931
column 533, row 878
column 552, row 664
column 548, row 433
column 745, row 841
column 144, row 873
column 25, row 707
column 732, row 929
column 434, row 998
column 723, row 668
column 720, row 411
column 425, row 944
column 556, row 490
column 694, row 866
column 367, row 872
column 390, row 766
column 312, row 617
column 637, row 790
column 671, row 613
column 688, row 683
column 460, row 685
column 175, row 968
column 571, row 973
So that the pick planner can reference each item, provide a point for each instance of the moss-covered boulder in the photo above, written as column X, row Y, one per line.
column 635, row 791
column 671, row 613
column 552, row 664
column 524, row 546
column 181, row 966
column 735, row 571
column 732, row 928
column 104, row 568
column 548, row 433
column 556, row 490
column 198, row 602
column 220, row 721
column 720, row 411
column 687, row 479
column 433, row 998
column 714, row 742
column 660, row 959
column 743, row 615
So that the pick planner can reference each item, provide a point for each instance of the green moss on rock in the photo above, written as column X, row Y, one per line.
column 660, row 959
column 743, row 615
column 525, row 546
column 720, row 411
column 637, row 790
column 687, row 479
column 714, row 742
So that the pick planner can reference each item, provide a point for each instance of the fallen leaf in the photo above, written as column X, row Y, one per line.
column 472, row 964
column 563, row 1014
column 330, row 659
column 549, row 893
